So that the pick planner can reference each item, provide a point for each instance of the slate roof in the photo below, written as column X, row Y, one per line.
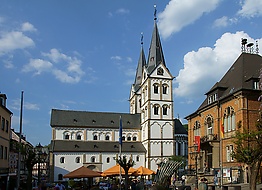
column 156, row 55
column 69, row 118
column 240, row 76
column 95, row 146
column 179, row 128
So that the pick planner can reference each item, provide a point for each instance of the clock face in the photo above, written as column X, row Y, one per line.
column 160, row 71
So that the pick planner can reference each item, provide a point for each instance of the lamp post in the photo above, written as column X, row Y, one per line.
column 194, row 156
column 40, row 158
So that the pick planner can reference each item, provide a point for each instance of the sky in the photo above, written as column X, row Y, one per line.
column 82, row 55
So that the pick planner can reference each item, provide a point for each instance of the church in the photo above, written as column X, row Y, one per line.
column 91, row 139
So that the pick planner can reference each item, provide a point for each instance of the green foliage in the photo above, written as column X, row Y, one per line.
column 248, row 146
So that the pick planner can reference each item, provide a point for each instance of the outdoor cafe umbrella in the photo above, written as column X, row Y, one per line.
column 144, row 171
column 115, row 170
column 82, row 172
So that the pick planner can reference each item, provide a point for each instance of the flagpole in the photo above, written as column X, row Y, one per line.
column 20, row 137
column 221, row 151
column 120, row 149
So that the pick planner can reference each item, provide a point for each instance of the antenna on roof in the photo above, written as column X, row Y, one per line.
column 243, row 43
column 155, row 12
column 250, row 48
column 257, row 49
column 142, row 37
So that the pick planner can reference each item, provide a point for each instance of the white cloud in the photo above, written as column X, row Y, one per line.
column 129, row 59
column 8, row 64
column 179, row 14
column 203, row 68
column 37, row 66
column 72, row 72
column 251, row 8
column 13, row 40
column 224, row 21
column 118, row 58
column 65, row 77
column 16, row 105
column 28, row 27
column 122, row 11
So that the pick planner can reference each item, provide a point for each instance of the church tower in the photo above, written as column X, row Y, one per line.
column 151, row 95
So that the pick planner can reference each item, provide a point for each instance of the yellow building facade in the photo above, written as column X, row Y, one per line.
column 5, row 123
column 230, row 105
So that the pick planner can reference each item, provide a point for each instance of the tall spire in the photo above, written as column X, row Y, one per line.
column 140, row 66
column 155, row 56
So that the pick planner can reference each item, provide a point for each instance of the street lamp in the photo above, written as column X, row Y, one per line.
column 194, row 156
column 40, row 158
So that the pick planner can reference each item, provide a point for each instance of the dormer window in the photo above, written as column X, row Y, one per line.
column 256, row 85
column 212, row 98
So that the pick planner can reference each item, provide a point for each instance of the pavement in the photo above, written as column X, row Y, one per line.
column 244, row 186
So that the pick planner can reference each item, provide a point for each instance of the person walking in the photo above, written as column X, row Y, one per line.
column 60, row 186
column 183, row 180
column 202, row 185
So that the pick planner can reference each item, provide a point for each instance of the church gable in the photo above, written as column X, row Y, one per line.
column 161, row 72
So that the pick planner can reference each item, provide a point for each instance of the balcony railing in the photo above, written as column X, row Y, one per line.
column 210, row 137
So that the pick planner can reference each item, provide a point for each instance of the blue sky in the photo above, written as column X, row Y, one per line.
column 82, row 55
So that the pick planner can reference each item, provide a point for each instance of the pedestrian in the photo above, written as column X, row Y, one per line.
column 133, row 184
column 202, row 185
column 215, row 180
column 60, row 186
column 183, row 180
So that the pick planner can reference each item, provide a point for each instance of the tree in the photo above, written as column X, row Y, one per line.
column 30, row 161
column 125, row 165
column 248, row 150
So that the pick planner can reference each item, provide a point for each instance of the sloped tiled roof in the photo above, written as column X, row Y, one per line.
column 239, row 77
column 179, row 128
column 69, row 118
column 95, row 146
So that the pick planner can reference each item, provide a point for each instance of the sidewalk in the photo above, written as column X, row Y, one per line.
column 244, row 186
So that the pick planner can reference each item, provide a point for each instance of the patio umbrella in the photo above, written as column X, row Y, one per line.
column 115, row 170
column 82, row 172
column 144, row 171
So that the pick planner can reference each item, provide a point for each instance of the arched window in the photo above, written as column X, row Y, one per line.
column 107, row 138
column 209, row 123
column 229, row 120
column 93, row 159
column 137, row 158
column 155, row 86
column 164, row 109
column 197, row 128
column 62, row 160
column 134, row 138
column 164, row 87
column 107, row 160
column 95, row 137
column 60, row 177
column 123, row 138
column 77, row 159
column 156, row 109
column 67, row 136
column 129, row 138
column 78, row 137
